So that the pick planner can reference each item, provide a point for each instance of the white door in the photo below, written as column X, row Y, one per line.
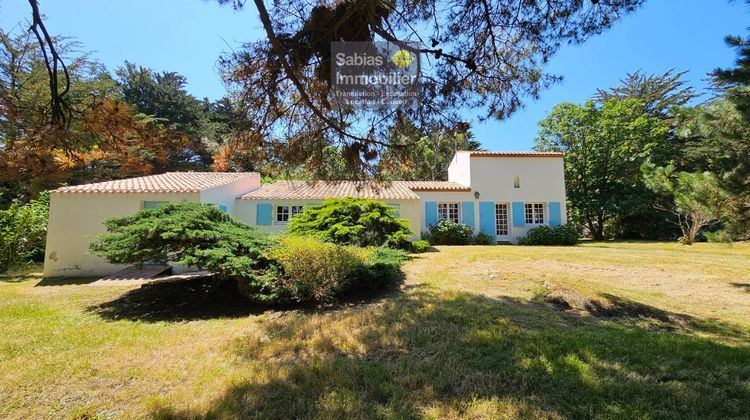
column 501, row 222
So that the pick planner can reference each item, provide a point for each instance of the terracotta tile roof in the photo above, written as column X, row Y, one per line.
column 484, row 153
column 395, row 190
column 434, row 186
column 168, row 182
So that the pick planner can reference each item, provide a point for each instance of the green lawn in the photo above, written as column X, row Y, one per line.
column 653, row 330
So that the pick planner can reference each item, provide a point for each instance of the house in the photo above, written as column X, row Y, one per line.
column 503, row 194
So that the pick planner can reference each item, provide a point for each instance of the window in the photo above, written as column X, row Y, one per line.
column 283, row 213
column 516, row 182
column 534, row 213
column 448, row 211
column 153, row 204
column 501, row 219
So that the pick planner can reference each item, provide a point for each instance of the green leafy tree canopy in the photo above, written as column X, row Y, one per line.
column 605, row 147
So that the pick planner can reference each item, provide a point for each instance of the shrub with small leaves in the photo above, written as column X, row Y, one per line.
column 352, row 221
column 484, row 239
column 380, row 268
column 546, row 235
column 448, row 232
column 420, row 246
column 23, row 232
column 193, row 235
column 313, row 271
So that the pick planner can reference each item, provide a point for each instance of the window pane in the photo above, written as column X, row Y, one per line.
column 153, row 204
column 282, row 213
column 501, row 219
column 528, row 214
column 448, row 211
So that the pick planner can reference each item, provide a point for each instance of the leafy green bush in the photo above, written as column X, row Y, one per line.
column 484, row 239
column 448, row 232
column 311, row 270
column 23, row 232
column 420, row 246
column 546, row 235
column 193, row 235
column 352, row 221
column 285, row 269
column 380, row 267
column 720, row 236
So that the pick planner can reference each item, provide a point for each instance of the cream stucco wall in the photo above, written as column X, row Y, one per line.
column 247, row 213
column 542, row 179
column 227, row 194
column 75, row 218
column 441, row 197
column 459, row 169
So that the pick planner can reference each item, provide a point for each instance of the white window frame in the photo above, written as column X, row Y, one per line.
column 530, row 213
column 507, row 219
column 445, row 205
column 291, row 210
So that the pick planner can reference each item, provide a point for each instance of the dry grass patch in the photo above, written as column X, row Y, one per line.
column 650, row 330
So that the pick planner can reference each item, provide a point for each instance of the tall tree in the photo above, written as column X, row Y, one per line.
column 717, row 136
column 163, row 96
column 696, row 200
column 484, row 55
column 658, row 93
column 605, row 147
column 428, row 154
column 101, row 139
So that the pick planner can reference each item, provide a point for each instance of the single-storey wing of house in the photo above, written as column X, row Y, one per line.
column 503, row 194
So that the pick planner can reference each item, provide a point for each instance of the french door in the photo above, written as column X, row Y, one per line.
column 501, row 222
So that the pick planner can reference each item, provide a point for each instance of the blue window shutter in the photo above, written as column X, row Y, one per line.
column 430, row 213
column 468, row 213
column 263, row 215
column 487, row 217
column 554, row 213
column 397, row 207
column 518, row 214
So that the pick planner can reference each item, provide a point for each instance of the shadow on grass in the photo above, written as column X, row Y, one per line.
column 18, row 278
column 179, row 300
column 65, row 281
column 743, row 286
column 209, row 298
column 463, row 355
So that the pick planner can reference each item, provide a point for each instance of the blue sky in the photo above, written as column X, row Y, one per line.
column 188, row 36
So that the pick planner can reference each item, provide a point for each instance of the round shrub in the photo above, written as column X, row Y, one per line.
column 448, row 232
column 420, row 246
column 352, row 221
column 379, row 268
column 484, row 239
column 192, row 235
column 546, row 235
column 313, row 271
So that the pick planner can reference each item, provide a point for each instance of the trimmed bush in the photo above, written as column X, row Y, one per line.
column 23, row 232
column 352, row 221
column 448, row 232
column 420, row 246
column 381, row 267
column 484, row 239
column 546, row 235
column 286, row 269
column 193, row 235
column 313, row 271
